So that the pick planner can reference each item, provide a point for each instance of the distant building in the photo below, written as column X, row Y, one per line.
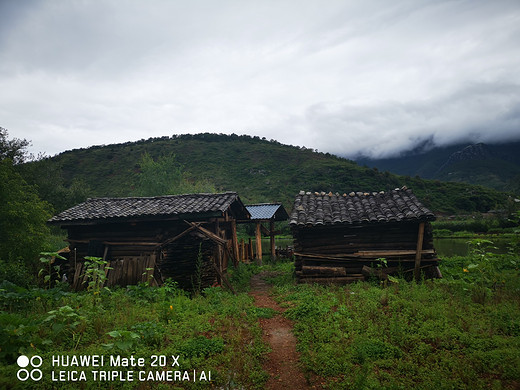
column 268, row 213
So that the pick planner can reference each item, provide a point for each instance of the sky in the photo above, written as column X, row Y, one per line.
column 371, row 77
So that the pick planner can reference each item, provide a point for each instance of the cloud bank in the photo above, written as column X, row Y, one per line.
column 373, row 78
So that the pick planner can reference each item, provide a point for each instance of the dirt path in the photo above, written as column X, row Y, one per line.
column 283, row 364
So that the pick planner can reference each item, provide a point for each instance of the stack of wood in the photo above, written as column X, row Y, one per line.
column 188, row 261
column 345, row 254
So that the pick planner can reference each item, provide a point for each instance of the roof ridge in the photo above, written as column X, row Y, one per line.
column 162, row 196
column 264, row 204
column 358, row 192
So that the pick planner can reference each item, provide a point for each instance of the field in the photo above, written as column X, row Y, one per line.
column 459, row 332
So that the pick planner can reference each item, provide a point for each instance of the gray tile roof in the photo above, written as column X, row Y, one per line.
column 98, row 209
column 312, row 209
column 267, row 211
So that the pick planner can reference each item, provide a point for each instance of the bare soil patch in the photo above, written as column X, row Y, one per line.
column 283, row 364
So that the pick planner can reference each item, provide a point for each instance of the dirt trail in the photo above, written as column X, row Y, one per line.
column 283, row 364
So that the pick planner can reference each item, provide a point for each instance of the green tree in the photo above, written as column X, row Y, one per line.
column 165, row 176
column 47, row 176
column 13, row 149
column 23, row 215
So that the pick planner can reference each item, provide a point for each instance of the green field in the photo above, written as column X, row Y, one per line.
column 459, row 332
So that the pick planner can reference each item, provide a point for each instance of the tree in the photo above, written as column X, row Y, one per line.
column 14, row 149
column 47, row 177
column 166, row 177
column 23, row 215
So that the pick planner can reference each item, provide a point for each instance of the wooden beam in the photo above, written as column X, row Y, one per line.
column 321, row 270
column 271, row 239
column 223, row 278
column 207, row 233
column 385, row 253
column 418, row 255
column 265, row 231
column 170, row 240
column 250, row 247
column 259, row 243
column 243, row 254
column 234, row 241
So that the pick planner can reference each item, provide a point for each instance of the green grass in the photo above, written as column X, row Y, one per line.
column 459, row 332
column 215, row 331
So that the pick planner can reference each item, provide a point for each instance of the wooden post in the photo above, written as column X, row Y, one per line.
column 221, row 259
column 250, row 247
column 271, row 239
column 234, row 240
column 258, row 243
column 418, row 253
column 243, row 254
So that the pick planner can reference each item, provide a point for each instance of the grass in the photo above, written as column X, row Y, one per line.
column 214, row 331
column 459, row 332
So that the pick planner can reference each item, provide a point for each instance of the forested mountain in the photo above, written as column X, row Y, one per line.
column 496, row 166
column 258, row 169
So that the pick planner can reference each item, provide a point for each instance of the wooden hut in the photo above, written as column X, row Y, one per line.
column 344, row 238
column 189, row 238
column 266, row 213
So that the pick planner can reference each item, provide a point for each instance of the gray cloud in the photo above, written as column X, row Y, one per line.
column 475, row 113
column 351, row 77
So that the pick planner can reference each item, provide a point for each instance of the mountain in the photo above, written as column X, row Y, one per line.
column 258, row 169
column 492, row 165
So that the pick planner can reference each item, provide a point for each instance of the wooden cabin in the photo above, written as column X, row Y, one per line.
column 267, row 213
column 342, row 238
column 188, row 238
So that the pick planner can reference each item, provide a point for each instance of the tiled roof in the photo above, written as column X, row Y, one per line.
column 311, row 209
column 96, row 209
column 267, row 211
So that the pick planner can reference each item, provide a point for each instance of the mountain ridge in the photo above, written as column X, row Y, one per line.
column 492, row 165
column 258, row 169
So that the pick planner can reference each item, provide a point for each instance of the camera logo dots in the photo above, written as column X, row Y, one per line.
column 35, row 373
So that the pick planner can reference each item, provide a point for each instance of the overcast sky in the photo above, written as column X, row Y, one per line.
column 369, row 76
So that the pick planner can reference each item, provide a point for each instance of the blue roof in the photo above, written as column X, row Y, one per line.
column 267, row 211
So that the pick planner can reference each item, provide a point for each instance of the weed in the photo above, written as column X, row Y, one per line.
column 196, row 279
column 123, row 341
column 51, row 271
column 65, row 321
column 95, row 274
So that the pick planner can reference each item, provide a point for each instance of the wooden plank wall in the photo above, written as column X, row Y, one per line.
column 338, row 254
column 126, row 270
column 129, row 247
column 179, row 261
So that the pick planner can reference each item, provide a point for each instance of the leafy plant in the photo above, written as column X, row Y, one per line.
column 66, row 321
column 95, row 273
column 201, row 346
column 152, row 333
column 196, row 279
column 50, row 270
column 484, row 264
column 18, row 335
column 124, row 340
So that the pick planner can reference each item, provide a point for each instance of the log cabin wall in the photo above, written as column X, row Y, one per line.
column 342, row 238
column 346, row 250
column 189, row 238
column 122, row 244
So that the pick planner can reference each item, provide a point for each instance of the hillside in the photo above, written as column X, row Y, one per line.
column 258, row 169
column 495, row 166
